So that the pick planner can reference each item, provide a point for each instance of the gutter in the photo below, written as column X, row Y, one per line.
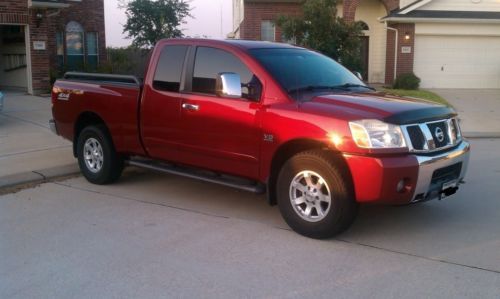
column 395, row 48
column 440, row 20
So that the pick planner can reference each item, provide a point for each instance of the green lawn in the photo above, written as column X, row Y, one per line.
column 420, row 94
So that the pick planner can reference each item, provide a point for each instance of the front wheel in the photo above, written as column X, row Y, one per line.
column 315, row 194
column 97, row 158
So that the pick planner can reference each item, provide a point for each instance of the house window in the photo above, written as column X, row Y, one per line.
column 92, row 50
column 267, row 31
column 60, row 49
column 74, row 46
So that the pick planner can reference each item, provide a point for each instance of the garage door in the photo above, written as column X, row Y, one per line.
column 458, row 61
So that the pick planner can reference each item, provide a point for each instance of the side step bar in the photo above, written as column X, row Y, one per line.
column 206, row 176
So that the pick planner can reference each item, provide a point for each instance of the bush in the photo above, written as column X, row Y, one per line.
column 407, row 81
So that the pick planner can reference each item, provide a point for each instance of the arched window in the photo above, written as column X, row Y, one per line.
column 363, row 25
column 74, row 46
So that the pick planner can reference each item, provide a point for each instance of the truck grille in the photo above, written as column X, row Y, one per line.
column 432, row 136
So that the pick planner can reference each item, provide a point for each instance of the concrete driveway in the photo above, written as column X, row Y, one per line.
column 162, row 236
column 479, row 110
column 27, row 146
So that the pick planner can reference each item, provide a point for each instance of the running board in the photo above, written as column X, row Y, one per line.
column 202, row 175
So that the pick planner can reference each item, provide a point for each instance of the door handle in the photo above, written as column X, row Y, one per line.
column 192, row 107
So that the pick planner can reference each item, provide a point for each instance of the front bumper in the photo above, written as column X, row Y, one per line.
column 429, row 185
column 408, row 178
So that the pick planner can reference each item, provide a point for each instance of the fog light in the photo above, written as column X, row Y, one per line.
column 401, row 186
column 404, row 185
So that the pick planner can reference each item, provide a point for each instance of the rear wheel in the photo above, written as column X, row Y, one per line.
column 315, row 194
column 97, row 158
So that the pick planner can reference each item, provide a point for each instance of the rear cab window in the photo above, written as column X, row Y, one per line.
column 169, row 69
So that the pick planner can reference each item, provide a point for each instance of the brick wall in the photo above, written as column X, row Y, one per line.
column 90, row 14
column 14, row 12
column 255, row 12
column 405, row 60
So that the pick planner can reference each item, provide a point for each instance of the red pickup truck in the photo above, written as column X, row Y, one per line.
column 264, row 117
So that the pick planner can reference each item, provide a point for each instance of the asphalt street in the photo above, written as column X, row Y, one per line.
column 155, row 235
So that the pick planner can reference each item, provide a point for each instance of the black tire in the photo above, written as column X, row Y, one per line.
column 338, row 183
column 112, row 164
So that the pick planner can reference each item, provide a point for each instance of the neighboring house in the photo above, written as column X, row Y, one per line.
column 447, row 43
column 38, row 37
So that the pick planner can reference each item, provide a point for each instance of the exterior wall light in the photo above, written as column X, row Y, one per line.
column 407, row 36
column 38, row 18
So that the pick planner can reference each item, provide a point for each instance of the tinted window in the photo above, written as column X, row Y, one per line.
column 169, row 70
column 210, row 62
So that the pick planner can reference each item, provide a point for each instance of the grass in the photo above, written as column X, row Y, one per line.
column 420, row 94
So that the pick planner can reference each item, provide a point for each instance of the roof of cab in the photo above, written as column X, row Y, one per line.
column 244, row 44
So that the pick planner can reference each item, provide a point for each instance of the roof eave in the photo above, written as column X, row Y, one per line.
column 439, row 20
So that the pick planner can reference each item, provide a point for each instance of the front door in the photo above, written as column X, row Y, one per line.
column 221, row 134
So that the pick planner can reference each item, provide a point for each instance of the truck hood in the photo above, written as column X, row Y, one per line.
column 391, row 109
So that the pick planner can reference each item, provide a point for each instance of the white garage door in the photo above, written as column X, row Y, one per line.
column 457, row 61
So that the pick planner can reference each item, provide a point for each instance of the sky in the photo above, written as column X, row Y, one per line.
column 206, row 21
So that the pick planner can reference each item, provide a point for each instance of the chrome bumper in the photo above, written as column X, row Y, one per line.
column 52, row 125
column 425, row 189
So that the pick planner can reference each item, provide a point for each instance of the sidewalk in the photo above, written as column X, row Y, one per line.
column 29, row 151
column 478, row 109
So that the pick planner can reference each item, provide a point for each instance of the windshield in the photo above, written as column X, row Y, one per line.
column 303, row 70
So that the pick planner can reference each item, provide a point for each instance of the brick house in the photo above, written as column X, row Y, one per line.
column 447, row 43
column 38, row 37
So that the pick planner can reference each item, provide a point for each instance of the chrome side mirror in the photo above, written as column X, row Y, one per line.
column 228, row 85
column 358, row 74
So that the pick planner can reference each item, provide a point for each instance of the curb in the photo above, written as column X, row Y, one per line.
column 480, row 135
column 14, row 181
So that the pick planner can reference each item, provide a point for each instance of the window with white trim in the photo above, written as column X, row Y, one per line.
column 267, row 31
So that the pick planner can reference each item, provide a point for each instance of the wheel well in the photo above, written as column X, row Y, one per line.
column 285, row 152
column 84, row 120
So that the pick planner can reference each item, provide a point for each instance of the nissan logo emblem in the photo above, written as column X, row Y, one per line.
column 439, row 134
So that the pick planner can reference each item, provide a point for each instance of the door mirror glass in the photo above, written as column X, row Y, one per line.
column 228, row 85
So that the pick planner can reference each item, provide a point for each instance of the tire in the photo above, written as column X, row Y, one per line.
column 97, row 158
column 328, row 207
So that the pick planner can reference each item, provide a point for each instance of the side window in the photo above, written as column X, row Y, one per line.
column 209, row 62
column 169, row 70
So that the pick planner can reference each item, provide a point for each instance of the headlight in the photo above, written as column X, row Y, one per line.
column 373, row 133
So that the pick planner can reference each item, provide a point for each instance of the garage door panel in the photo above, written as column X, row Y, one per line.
column 458, row 61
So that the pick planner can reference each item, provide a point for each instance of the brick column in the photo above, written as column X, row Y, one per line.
column 405, row 60
column 40, row 65
column 350, row 7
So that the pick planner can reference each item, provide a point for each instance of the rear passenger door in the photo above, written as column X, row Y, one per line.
column 221, row 134
column 161, row 105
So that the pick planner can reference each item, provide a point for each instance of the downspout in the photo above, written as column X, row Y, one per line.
column 395, row 48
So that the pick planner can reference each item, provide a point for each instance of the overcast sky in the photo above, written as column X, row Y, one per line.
column 206, row 21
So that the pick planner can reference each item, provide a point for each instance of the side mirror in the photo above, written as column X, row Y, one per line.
column 228, row 85
column 358, row 74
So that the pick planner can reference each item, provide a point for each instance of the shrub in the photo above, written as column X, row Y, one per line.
column 407, row 81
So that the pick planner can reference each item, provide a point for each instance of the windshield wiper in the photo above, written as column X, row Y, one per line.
column 320, row 87
column 352, row 85
column 308, row 88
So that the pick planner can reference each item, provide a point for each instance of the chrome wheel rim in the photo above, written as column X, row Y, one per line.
column 310, row 196
column 93, row 155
